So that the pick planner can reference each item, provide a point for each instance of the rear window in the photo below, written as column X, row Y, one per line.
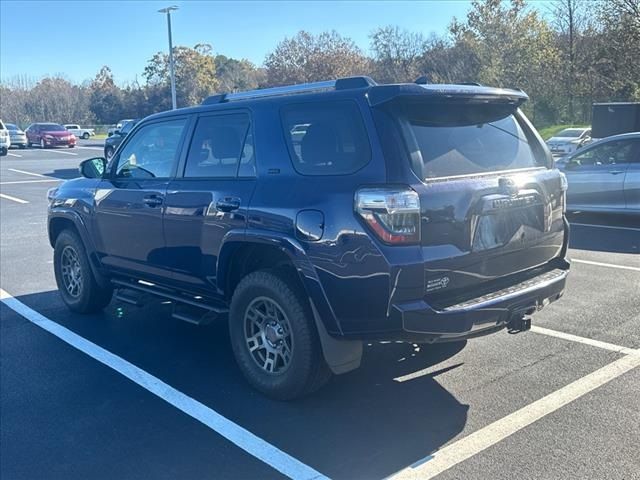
column 326, row 138
column 449, row 149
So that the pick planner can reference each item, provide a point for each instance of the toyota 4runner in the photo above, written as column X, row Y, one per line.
column 316, row 217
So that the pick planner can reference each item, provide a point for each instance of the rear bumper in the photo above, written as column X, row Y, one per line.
column 484, row 314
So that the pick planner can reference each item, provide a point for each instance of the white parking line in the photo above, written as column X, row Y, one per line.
column 604, row 226
column 14, row 155
column 585, row 341
column 58, row 151
column 9, row 197
column 610, row 265
column 250, row 443
column 493, row 433
column 27, row 173
column 17, row 182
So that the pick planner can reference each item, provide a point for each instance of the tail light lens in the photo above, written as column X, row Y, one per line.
column 392, row 213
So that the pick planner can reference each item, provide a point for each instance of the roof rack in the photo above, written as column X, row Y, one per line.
column 340, row 84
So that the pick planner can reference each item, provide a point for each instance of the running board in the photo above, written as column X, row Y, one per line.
column 209, row 309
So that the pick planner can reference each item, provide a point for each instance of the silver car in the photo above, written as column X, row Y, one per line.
column 605, row 176
column 18, row 137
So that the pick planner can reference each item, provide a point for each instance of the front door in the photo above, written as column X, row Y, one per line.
column 130, row 204
column 596, row 176
column 209, row 197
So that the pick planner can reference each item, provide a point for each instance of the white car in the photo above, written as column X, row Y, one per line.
column 84, row 133
column 5, row 140
column 569, row 140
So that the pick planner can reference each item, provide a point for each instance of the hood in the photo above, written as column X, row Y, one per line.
column 562, row 139
column 16, row 132
column 56, row 133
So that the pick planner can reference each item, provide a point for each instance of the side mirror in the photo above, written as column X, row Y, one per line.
column 93, row 167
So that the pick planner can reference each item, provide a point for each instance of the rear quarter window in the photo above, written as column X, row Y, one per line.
column 326, row 138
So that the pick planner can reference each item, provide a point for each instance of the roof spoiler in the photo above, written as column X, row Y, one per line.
column 440, row 93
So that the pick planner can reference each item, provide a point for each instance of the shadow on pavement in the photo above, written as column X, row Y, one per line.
column 64, row 173
column 589, row 232
column 363, row 424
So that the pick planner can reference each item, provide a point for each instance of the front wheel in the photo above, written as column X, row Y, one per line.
column 77, row 285
column 42, row 144
column 274, row 337
column 85, row 135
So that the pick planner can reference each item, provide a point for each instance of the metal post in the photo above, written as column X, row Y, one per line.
column 171, row 67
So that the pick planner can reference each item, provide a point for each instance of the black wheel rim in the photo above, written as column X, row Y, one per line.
column 268, row 337
column 71, row 271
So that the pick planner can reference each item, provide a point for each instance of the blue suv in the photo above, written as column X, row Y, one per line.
column 317, row 217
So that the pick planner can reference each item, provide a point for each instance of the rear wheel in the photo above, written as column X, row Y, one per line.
column 274, row 337
column 71, row 145
column 77, row 285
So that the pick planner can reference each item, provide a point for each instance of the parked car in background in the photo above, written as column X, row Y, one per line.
column 406, row 212
column 18, row 137
column 84, row 133
column 117, row 126
column 5, row 140
column 605, row 176
column 111, row 143
column 49, row 135
column 569, row 140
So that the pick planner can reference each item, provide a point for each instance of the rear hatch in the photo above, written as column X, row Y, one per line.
column 491, row 205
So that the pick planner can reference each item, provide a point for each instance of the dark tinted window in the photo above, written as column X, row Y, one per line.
column 126, row 128
column 152, row 151
column 450, row 150
column 52, row 127
column 218, row 147
column 326, row 138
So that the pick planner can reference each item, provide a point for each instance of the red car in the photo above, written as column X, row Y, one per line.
column 49, row 135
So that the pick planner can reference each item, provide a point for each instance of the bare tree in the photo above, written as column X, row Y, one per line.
column 397, row 54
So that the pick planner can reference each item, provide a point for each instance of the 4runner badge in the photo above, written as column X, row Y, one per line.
column 437, row 284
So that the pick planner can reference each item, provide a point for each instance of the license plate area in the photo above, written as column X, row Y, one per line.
column 509, row 221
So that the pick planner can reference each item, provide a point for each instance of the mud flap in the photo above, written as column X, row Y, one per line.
column 341, row 356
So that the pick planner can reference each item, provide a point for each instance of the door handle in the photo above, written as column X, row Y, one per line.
column 228, row 204
column 616, row 172
column 152, row 200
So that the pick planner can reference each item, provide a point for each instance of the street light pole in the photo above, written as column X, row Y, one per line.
column 168, row 11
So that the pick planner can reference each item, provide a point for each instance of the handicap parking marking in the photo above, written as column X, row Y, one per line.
column 244, row 439
column 9, row 197
column 481, row 439
column 609, row 265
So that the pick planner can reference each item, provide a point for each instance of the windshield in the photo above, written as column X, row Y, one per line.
column 470, row 149
column 570, row 132
column 127, row 126
column 11, row 126
column 52, row 127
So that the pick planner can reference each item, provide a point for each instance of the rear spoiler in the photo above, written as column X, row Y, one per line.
column 438, row 93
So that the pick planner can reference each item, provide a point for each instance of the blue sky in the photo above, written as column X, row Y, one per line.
column 75, row 38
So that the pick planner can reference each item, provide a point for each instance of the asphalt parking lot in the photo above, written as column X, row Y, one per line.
column 133, row 393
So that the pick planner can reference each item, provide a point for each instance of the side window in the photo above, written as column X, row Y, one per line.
column 326, row 138
column 611, row 153
column 221, row 147
column 152, row 152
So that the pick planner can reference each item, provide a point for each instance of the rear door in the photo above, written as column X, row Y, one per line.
column 129, row 205
column 597, row 175
column 490, row 205
column 210, row 197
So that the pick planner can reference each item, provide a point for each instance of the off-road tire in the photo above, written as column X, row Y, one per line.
column 91, row 297
column 307, row 370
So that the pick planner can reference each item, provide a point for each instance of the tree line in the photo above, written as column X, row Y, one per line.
column 576, row 53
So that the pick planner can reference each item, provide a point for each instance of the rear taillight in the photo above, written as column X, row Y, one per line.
column 392, row 213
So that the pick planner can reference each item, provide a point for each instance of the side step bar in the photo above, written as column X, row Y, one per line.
column 186, row 308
